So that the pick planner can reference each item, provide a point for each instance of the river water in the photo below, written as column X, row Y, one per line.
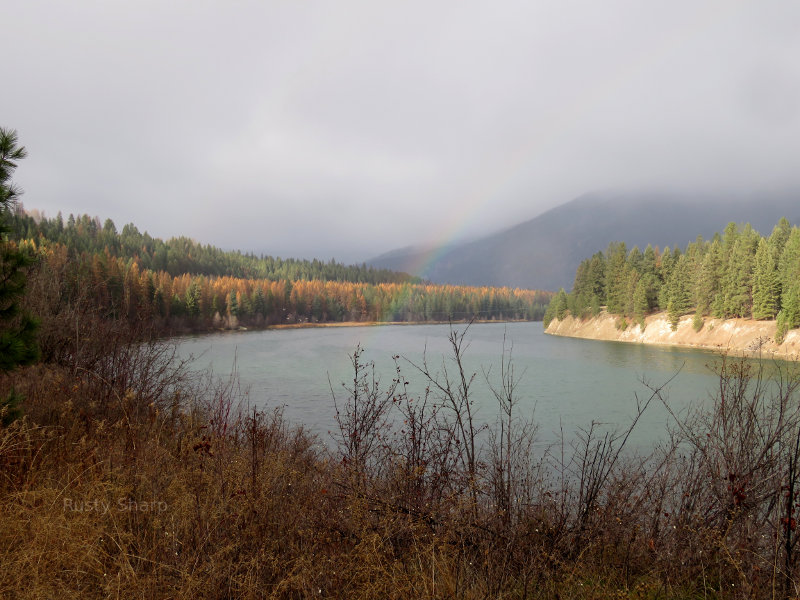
column 564, row 383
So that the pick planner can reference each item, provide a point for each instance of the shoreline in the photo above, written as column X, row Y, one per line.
column 740, row 336
column 345, row 324
column 382, row 323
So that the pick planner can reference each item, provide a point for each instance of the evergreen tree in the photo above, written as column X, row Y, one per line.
column 789, row 316
column 737, row 274
column 680, row 297
column 233, row 305
column 635, row 259
column 779, row 237
column 192, row 299
column 650, row 274
column 765, row 283
column 641, row 304
column 665, row 276
column 596, row 274
column 259, row 302
column 707, row 296
column 649, row 262
column 616, row 277
column 777, row 242
column 17, row 329
column 729, row 237
column 560, row 302
column 738, row 281
column 789, row 263
column 630, row 290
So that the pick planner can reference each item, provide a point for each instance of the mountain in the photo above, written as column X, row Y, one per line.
column 544, row 252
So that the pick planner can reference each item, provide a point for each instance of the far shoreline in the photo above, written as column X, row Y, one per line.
column 741, row 336
column 331, row 324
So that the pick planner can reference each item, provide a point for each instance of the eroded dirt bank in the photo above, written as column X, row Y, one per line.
column 732, row 335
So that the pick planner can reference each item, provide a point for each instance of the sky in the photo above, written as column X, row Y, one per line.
column 344, row 129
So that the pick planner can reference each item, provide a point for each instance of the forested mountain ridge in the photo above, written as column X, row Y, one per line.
column 180, row 286
column 738, row 273
column 572, row 231
column 181, row 255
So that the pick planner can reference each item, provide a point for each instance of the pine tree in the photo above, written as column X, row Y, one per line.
column 641, row 304
column 649, row 261
column 635, row 260
column 18, row 344
column 765, row 283
column 557, row 309
column 777, row 242
column 779, row 236
column 581, row 285
column 596, row 275
column 707, row 297
column 789, row 263
column 680, row 298
column 259, row 302
column 737, row 280
column 192, row 299
column 549, row 314
column 616, row 277
column 560, row 304
column 729, row 237
column 789, row 316
column 631, row 286
column 665, row 269
column 233, row 305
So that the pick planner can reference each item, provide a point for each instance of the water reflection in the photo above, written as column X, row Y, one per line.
column 564, row 382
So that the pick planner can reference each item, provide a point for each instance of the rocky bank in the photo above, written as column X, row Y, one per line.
column 734, row 336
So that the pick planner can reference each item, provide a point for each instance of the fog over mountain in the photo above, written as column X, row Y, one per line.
column 544, row 252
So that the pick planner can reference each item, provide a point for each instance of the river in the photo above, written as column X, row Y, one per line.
column 564, row 383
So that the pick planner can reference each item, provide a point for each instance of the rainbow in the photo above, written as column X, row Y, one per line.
column 508, row 171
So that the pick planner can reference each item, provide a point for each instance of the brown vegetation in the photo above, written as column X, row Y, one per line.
column 127, row 477
column 120, row 290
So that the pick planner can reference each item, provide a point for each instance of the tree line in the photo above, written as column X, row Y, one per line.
column 738, row 273
column 180, row 285
column 181, row 255
column 119, row 288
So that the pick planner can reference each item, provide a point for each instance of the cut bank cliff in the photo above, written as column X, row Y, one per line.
column 734, row 336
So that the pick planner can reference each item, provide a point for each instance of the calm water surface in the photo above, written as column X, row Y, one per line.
column 565, row 383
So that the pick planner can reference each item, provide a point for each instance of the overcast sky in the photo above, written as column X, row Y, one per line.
column 345, row 129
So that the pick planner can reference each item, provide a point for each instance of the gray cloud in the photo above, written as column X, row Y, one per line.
column 345, row 129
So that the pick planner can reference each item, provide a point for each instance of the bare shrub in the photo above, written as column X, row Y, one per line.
column 739, row 480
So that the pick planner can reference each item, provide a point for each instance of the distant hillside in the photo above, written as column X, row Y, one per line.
column 179, row 286
column 544, row 253
column 183, row 256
